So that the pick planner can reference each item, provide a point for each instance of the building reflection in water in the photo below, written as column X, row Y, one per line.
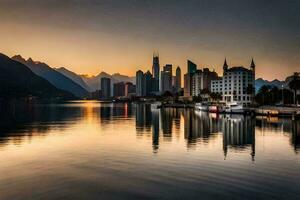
column 199, row 126
column 296, row 135
column 238, row 133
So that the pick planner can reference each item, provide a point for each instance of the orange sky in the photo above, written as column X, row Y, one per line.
column 88, row 38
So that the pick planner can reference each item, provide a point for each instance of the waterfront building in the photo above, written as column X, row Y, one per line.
column 106, row 88
column 148, row 83
column 155, row 72
column 201, row 80
column 140, row 90
column 191, row 70
column 177, row 81
column 237, row 84
column 166, row 78
column 192, row 67
column 129, row 89
column 119, row 89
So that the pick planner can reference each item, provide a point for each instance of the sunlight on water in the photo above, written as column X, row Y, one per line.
column 92, row 150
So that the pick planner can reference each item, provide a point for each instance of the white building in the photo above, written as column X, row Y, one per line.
column 217, row 86
column 236, row 85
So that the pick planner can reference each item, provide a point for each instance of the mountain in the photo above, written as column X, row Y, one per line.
column 74, row 77
column 260, row 82
column 17, row 80
column 94, row 82
column 54, row 77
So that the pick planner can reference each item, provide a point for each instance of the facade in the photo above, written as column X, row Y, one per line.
column 129, row 89
column 166, row 78
column 148, row 83
column 237, row 84
column 217, row 86
column 197, row 83
column 201, row 80
column 177, row 82
column 187, row 85
column 119, row 89
column 106, row 88
column 188, row 77
column 155, row 72
column 192, row 67
column 140, row 91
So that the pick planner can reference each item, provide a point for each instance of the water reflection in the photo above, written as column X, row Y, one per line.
column 22, row 120
column 238, row 131
column 128, row 151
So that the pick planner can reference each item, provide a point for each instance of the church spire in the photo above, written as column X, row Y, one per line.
column 252, row 64
column 225, row 66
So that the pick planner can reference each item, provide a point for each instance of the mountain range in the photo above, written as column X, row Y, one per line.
column 54, row 77
column 94, row 82
column 74, row 77
column 17, row 80
column 260, row 82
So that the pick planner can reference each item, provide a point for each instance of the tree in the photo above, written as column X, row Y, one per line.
column 216, row 96
column 295, row 85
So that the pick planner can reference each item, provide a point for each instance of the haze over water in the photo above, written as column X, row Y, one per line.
column 92, row 150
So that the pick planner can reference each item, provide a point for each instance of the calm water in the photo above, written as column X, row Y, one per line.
column 89, row 150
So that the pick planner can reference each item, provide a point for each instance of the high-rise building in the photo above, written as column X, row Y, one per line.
column 187, row 85
column 192, row 67
column 237, row 84
column 191, row 70
column 119, row 89
column 148, row 83
column 166, row 78
column 140, row 90
column 201, row 80
column 105, row 88
column 129, row 89
column 155, row 72
column 178, row 79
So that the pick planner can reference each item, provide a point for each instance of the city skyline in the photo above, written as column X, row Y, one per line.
column 120, row 36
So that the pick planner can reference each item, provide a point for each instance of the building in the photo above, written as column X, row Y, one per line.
column 177, row 82
column 191, row 70
column 106, row 88
column 187, row 85
column 129, row 89
column 217, row 86
column 119, row 89
column 192, row 67
column 237, row 84
column 166, row 78
column 140, row 90
column 155, row 72
column 201, row 81
column 149, row 83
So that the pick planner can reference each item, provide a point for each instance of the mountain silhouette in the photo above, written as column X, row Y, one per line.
column 260, row 82
column 17, row 80
column 94, row 81
column 74, row 77
column 54, row 77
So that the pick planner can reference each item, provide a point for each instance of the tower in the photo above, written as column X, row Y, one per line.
column 155, row 71
column 252, row 65
column 178, row 79
column 225, row 66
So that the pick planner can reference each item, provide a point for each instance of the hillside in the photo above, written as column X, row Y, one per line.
column 17, row 80
column 54, row 77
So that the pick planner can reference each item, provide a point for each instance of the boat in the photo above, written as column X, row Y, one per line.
column 155, row 105
column 202, row 106
column 235, row 107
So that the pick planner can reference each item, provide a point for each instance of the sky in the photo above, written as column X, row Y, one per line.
column 119, row 36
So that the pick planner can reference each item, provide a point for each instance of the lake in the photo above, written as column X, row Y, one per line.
column 93, row 150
